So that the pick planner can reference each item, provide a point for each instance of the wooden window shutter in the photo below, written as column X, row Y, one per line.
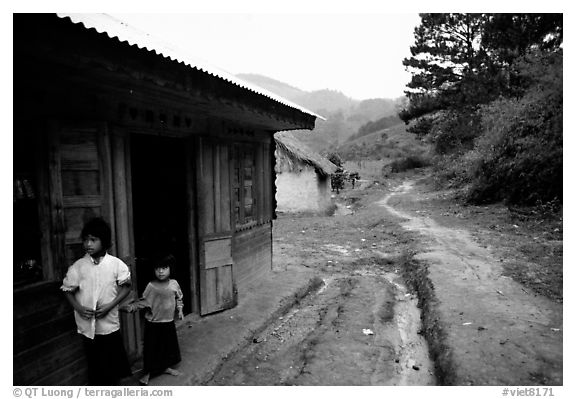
column 81, row 185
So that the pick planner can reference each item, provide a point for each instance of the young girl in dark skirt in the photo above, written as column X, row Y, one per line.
column 161, row 298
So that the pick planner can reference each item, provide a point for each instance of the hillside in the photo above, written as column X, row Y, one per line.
column 386, row 145
column 320, row 101
column 370, row 154
column 273, row 85
column 344, row 115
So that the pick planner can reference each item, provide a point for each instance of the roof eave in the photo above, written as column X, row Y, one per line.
column 114, row 28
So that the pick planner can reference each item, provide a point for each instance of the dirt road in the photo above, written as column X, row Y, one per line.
column 364, row 326
column 361, row 328
column 498, row 332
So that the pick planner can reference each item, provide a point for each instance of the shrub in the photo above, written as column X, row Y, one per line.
column 521, row 148
column 455, row 131
column 455, row 170
column 407, row 163
column 511, row 148
column 421, row 127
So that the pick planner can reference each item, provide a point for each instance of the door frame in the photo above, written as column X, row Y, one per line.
column 190, row 200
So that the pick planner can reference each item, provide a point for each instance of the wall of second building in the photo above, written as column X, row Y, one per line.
column 304, row 191
column 324, row 193
column 252, row 249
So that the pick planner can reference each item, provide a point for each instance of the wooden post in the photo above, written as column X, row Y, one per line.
column 119, row 179
column 191, row 187
column 106, row 177
column 131, row 329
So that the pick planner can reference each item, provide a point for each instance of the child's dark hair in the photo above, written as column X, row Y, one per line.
column 98, row 227
column 165, row 261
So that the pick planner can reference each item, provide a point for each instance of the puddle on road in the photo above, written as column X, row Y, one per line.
column 412, row 364
column 323, row 340
column 416, row 367
column 338, row 249
column 342, row 210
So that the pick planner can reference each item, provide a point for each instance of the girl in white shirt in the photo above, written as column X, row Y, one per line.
column 94, row 285
column 162, row 298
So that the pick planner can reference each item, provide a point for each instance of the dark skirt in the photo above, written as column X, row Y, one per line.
column 107, row 360
column 161, row 348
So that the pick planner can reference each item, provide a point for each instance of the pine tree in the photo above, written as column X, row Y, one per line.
column 446, row 58
column 463, row 60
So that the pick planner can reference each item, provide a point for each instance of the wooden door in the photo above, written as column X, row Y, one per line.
column 214, row 170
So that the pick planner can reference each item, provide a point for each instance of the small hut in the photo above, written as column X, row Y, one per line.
column 302, row 176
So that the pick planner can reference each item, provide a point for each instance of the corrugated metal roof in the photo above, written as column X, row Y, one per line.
column 115, row 28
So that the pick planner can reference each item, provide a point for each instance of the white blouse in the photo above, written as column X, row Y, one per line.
column 93, row 285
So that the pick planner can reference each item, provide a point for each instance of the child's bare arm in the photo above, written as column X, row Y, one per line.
column 179, row 302
column 141, row 303
column 135, row 305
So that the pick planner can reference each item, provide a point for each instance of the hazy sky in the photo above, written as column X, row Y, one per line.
column 357, row 54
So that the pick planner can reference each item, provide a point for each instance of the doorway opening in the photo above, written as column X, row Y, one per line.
column 160, row 209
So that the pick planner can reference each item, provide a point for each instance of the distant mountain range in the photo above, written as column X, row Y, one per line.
column 344, row 115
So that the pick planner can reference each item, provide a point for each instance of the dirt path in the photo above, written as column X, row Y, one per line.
column 364, row 326
column 359, row 329
column 499, row 333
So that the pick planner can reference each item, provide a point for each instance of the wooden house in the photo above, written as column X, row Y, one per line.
column 176, row 155
column 302, row 177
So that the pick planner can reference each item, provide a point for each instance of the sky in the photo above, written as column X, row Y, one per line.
column 357, row 54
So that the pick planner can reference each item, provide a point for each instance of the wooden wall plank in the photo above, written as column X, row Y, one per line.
column 128, row 168
column 218, row 253
column 120, row 196
column 225, row 187
column 210, row 289
column 207, row 188
column 45, row 340
column 239, row 162
column 107, row 194
column 215, row 148
column 73, row 373
column 252, row 252
column 226, row 286
column 130, row 321
column 45, row 209
column 258, row 188
column 49, row 357
column 57, row 213
column 92, row 201
column 271, row 180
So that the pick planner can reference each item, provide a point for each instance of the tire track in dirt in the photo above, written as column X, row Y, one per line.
column 321, row 341
column 498, row 333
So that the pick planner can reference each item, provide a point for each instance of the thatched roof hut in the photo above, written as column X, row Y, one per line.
column 291, row 152
column 302, row 176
